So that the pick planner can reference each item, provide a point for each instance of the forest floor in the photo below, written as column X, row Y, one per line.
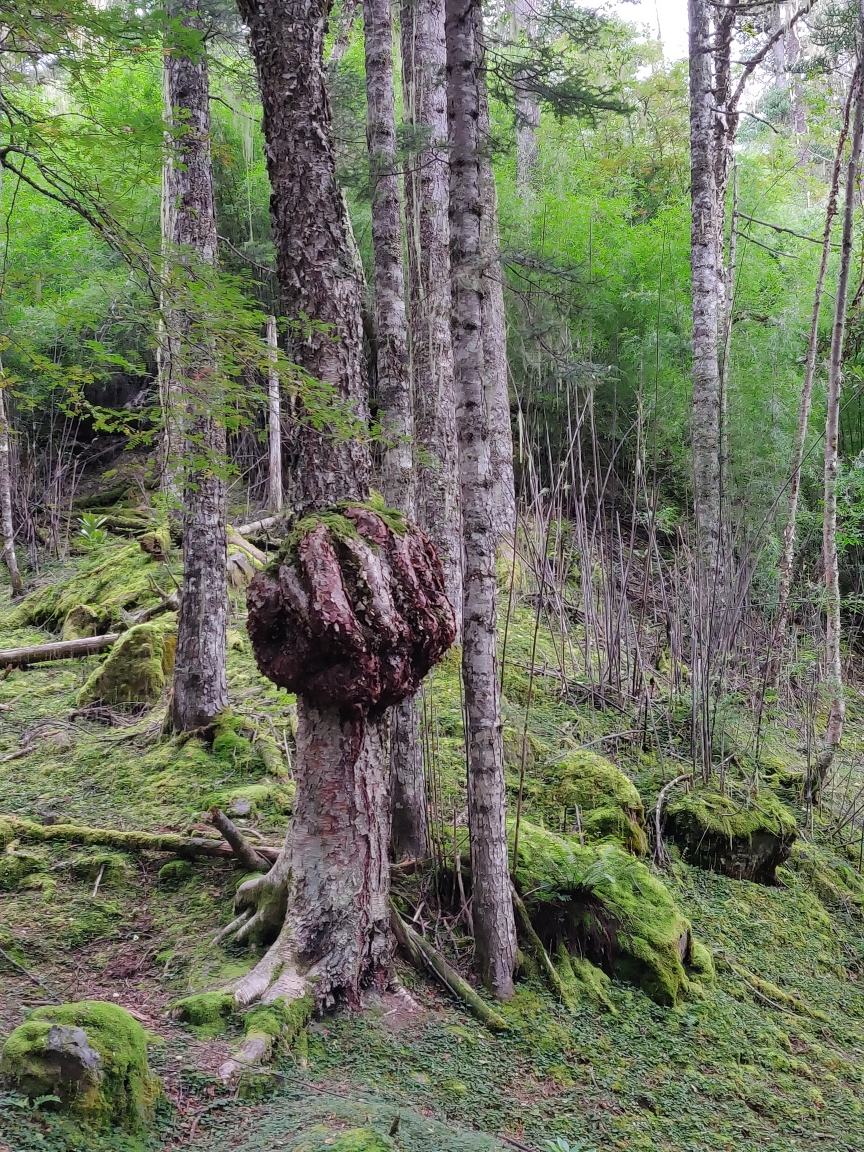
column 727, row 1068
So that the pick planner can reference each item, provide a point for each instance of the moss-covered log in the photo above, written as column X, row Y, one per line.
column 56, row 650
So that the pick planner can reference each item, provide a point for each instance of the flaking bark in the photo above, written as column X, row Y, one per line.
column 495, row 931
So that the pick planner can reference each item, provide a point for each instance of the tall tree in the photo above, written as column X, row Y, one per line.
column 274, row 413
column 6, row 526
column 833, row 630
column 492, row 907
column 526, row 102
column 190, row 250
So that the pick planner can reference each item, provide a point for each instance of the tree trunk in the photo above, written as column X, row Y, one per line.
column 705, row 273
column 274, row 488
column 200, row 690
column 837, row 707
column 497, row 373
column 315, row 264
column 328, row 894
column 526, row 104
column 427, row 203
column 788, row 554
column 494, row 926
column 6, row 525
column 410, row 836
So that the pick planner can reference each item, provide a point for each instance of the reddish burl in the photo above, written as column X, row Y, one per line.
column 352, row 622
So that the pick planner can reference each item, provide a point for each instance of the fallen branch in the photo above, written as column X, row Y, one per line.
column 540, row 953
column 423, row 956
column 258, row 525
column 252, row 860
column 56, row 650
column 661, row 856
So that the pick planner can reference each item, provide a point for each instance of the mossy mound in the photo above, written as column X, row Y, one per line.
column 594, row 794
column 745, row 842
column 137, row 667
column 91, row 1055
column 604, row 905
column 207, row 1012
column 81, row 621
column 118, row 577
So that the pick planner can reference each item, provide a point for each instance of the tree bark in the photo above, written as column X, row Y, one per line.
column 788, row 554
column 494, row 926
column 6, row 525
column 327, row 896
column 318, row 278
column 834, row 664
column 200, row 690
column 526, row 104
column 705, row 273
column 427, row 200
column 275, row 421
column 497, row 372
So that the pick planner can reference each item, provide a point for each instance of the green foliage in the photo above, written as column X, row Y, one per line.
column 138, row 666
column 720, row 815
column 91, row 533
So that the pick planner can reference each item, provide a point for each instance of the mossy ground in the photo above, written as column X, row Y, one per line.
column 729, row 1067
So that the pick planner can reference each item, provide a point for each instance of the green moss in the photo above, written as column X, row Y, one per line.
column 175, row 872
column 722, row 816
column 259, row 797
column 582, row 979
column 282, row 1021
column 121, row 1090
column 207, row 1012
column 232, row 747
column 609, row 806
column 15, row 867
column 118, row 577
column 322, row 1139
column 81, row 621
column 137, row 667
column 598, row 899
column 701, row 962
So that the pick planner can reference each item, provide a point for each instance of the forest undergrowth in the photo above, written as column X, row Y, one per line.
column 761, row 1049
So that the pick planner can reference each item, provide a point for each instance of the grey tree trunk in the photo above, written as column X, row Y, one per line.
column 788, row 553
column 526, row 104
column 409, row 831
column 6, row 525
column 833, row 661
column 706, row 276
column 200, row 690
column 274, row 412
column 497, row 372
column 492, row 908
column 335, row 928
column 427, row 203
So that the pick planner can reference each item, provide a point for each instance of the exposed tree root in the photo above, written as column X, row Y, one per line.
column 540, row 953
column 252, row 860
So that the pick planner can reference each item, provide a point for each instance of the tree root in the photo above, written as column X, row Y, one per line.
column 251, row 860
column 424, row 957
column 540, row 954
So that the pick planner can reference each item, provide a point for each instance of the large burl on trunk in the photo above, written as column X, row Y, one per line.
column 351, row 617
column 355, row 615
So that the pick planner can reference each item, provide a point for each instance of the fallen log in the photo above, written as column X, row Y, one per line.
column 56, row 650
column 258, row 525
column 131, row 841
column 251, row 859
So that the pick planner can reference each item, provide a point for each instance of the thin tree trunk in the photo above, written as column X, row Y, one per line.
column 494, row 926
column 834, row 669
column 427, row 203
column 6, row 526
column 409, row 832
column 330, row 888
column 200, row 690
column 497, row 372
column 526, row 104
column 342, row 39
column 705, row 272
column 788, row 554
column 275, row 415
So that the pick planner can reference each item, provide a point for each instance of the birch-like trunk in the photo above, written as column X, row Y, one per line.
column 526, row 105
column 330, row 887
column 200, row 690
column 274, row 411
column 833, row 661
column 706, row 277
column 492, row 908
column 410, row 835
column 427, row 204
column 6, row 525
column 497, row 372
column 787, row 556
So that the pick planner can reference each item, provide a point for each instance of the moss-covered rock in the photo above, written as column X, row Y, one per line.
column 607, row 907
column 156, row 543
column 81, row 621
column 746, row 842
column 91, row 1055
column 597, row 796
column 208, row 1012
column 138, row 666
column 17, row 866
